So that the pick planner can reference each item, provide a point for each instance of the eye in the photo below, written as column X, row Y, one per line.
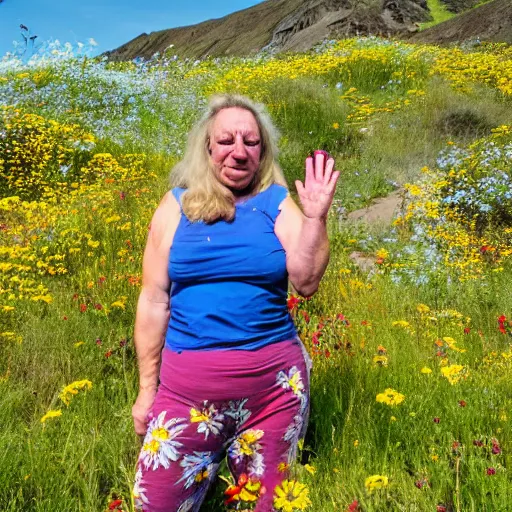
column 252, row 142
column 225, row 142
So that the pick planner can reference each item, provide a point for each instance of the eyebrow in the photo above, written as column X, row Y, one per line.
column 244, row 134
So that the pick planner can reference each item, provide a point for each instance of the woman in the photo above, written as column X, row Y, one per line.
column 232, row 377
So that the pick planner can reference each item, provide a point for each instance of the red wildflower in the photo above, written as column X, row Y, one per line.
column 75, row 296
column 98, row 341
column 467, row 330
column 305, row 316
column 122, row 196
column 108, row 353
column 501, row 323
column 293, row 302
column 83, row 308
column 122, row 343
column 441, row 508
column 234, row 490
column 115, row 505
column 485, row 248
column 102, row 279
column 341, row 317
column 327, row 354
column 437, row 420
column 478, row 442
column 491, row 471
column 99, row 307
column 64, row 317
column 353, row 507
column 496, row 450
column 462, row 403
column 421, row 483
column 315, row 338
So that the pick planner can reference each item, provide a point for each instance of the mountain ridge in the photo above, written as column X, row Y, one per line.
column 275, row 22
column 297, row 25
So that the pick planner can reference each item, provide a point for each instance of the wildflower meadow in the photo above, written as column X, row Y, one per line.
column 411, row 401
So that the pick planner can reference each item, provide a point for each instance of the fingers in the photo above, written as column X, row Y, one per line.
column 140, row 426
column 299, row 186
column 323, row 166
column 320, row 157
column 331, row 186
column 310, row 176
column 329, row 166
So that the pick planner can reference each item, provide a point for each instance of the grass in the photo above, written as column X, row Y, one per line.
column 70, row 279
column 439, row 13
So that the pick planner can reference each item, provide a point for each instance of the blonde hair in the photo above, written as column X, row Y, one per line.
column 206, row 198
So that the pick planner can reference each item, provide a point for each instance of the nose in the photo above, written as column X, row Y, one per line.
column 239, row 149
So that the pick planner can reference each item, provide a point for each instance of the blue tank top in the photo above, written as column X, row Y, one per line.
column 229, row 279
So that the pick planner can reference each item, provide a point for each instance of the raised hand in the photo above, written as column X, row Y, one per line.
column 317, row 192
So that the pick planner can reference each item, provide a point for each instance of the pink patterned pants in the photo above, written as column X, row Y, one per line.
column 250, row 406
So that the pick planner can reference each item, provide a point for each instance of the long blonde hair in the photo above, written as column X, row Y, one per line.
column 206, row 198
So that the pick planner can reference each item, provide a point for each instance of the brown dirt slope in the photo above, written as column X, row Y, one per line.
column 239, row 33
column 282, row 24
column 489, row 22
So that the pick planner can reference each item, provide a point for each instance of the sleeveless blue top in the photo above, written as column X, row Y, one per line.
column 229, row 279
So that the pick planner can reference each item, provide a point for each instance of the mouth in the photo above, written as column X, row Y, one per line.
column 236, row 172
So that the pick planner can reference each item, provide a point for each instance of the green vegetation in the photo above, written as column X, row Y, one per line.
column 439, row 14
column 412, row 358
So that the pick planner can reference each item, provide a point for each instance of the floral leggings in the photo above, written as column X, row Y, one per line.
column 249, row 405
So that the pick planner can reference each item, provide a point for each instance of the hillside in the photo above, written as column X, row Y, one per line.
column 489, row 22
column 457, row 6
column 283, row 24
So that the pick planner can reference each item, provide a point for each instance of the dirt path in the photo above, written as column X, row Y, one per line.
column 381, row 211
column 379, row 214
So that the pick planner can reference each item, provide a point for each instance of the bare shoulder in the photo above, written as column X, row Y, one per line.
column 165, row 221
column 288, row 223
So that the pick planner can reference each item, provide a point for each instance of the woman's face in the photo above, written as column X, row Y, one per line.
column 235, row 147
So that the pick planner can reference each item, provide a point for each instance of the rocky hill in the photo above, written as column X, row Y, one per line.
column 280, row 24
column 458, row 6
column 488, row 22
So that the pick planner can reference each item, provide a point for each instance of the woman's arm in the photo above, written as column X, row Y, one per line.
column 153, row 311
column 304, row 234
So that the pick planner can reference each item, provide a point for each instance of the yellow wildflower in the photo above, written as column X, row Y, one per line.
column 453, row 373
column 390, row 397
column 375, row 482
column 72, row 389
column 51, row 414
column 291, row 496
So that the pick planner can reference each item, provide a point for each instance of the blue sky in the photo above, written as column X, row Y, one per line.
column 109, row 22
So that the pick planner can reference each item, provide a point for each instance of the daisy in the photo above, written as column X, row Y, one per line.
column 247, row 447
column 292, row 381
column 209, row 419
column 138, row 492
column 197, row 468
column 160, row 446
